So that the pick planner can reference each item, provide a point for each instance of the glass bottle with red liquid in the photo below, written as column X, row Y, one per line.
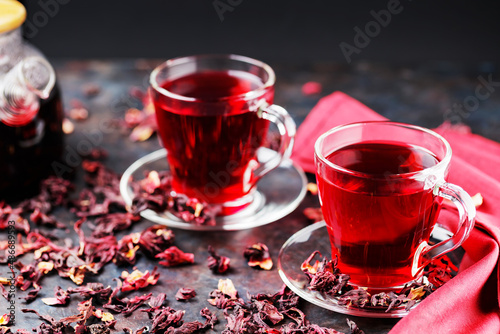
column 31, row 113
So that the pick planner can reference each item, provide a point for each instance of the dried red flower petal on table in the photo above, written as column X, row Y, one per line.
column 258, row 256
column 137, row 280
column 225, row 296
column 211, row 319
column 95, row 291
column 41, row 218
column 91, row 89
column 126, row 305
column 185, row 294
column 127, row 249
column 8, row 214
column 312, row 188
column 156, row 302
column 112, row 223
column 155, row 239
column 137, row 93
column 6, row 320
column 217, row 263
column 61, row 298
column 264, row 311
column 133, row 117
column 97, row 153
column 105, row 317
column 173, row 256
column 96, row 252
column 67, row 126
column 313, row 214
column 3, row 291
column 78, row 114
column 143, row 131
column 311, row 88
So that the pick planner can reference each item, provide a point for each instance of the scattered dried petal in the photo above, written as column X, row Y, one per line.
column 138, row 280
column 312, row 188
column 78, row 114
column 61, row 298
column 173, row 256
column 218, row 264
column 68, row 126
column 185, row 294
column 311, row 88
column 314, row 214
column 258, row 256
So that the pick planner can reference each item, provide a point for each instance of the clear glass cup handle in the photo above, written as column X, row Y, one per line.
column 286, row 127
column 467, row 215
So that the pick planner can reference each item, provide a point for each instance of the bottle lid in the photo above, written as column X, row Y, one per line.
column 12, row 15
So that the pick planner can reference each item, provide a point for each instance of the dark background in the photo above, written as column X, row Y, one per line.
column 291, row 30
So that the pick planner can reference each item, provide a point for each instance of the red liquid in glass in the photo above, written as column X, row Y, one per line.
column 212, row 149
column 376, row 225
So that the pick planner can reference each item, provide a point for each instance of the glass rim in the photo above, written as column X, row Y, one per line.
column 255, row 93
column 442, row 164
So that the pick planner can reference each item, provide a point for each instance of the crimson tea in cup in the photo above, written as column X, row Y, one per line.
column 381, row 187
column 213, row 114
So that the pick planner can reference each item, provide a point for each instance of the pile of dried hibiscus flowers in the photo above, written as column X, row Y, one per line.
column 100, row 213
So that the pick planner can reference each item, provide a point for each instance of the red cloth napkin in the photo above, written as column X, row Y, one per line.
column 469, row 303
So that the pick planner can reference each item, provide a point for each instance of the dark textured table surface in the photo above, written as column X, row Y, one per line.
column 421, row 94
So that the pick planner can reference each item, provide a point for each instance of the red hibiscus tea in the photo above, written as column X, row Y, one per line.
column 211, row 155
column 381, row 186
column 211, row 113
column 376, row 227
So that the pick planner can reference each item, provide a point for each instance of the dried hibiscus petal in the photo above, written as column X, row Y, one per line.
column 156, row 239
column 61, row 298
column 137, row 280
column 96, row 291
column 126, row 306
column 173, row 256
column 217, row 263
column 185, row 294
column 313, row 214
column 258, row 256
column 127, row 249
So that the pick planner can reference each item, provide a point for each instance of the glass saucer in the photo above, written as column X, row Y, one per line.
column 278, row 194
column 315, row 237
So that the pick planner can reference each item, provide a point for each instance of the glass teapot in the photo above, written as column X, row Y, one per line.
column 31, row 113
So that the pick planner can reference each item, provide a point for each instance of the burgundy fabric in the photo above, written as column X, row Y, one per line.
column 469, row 303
